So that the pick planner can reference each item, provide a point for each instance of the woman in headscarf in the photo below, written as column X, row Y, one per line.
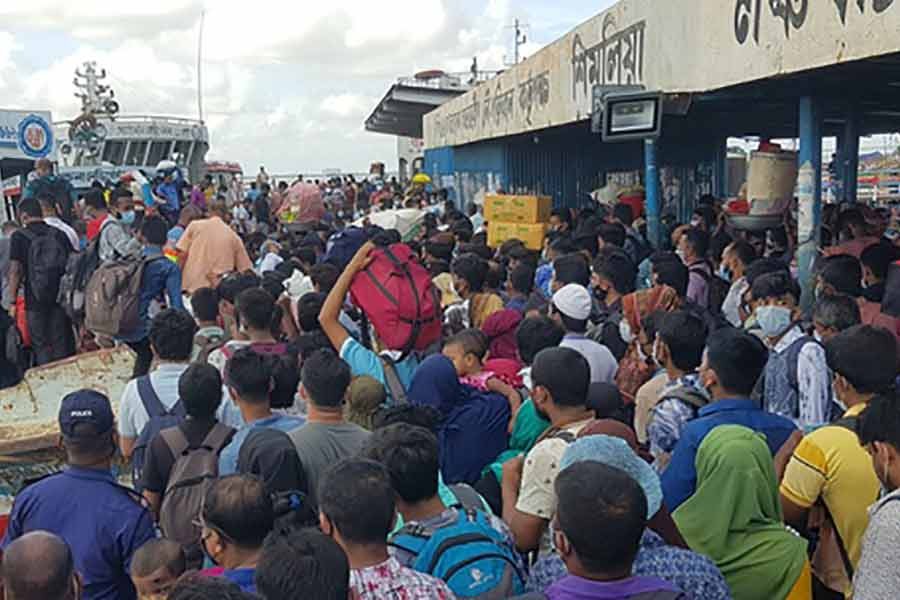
column 735, row 518
column 503, row 360
column 694, row 574
column 474, row 427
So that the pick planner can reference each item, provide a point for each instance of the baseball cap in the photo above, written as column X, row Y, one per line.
column 574, row 301
column 85, row 406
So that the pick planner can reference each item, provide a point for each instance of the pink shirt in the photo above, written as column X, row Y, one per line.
column 213, row 250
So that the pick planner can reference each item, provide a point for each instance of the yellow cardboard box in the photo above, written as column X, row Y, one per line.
column 530, row 233
column 518, row 209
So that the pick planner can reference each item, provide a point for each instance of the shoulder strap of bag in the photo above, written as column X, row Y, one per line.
column 175, row 440
column 217, row 437
column 149, row 398
column 392, row 379
column 845, row 558
column 466, row 496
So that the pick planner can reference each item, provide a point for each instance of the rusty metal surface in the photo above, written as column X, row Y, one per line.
column 28, row 411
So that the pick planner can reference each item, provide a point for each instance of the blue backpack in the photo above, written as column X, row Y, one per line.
column 469, row 555
column 160, row 419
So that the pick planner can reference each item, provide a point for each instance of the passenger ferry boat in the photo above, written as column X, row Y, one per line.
column 102, row 144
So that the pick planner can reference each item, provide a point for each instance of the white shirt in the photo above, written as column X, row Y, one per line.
column 732, row 303
column 133, row 416
column 602, row 362
column 66, row 229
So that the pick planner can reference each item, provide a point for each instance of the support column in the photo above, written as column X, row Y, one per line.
column 720, row 182
column 809, row 186
column 850, row 154
column 651, row 183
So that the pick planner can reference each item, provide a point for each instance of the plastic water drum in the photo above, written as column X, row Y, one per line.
column 771, row 182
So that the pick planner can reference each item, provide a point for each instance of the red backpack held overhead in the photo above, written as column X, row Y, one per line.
column 399, row 299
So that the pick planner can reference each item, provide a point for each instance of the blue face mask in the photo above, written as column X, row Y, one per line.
column 773, row 320
column 127, row 217
column 724, row 273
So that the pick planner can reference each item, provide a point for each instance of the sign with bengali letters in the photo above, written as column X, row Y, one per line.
column 674, row 46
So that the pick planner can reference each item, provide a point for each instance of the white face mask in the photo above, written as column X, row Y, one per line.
column 625, row 331
column 656, row 360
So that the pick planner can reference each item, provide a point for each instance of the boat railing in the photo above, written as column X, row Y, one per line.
column 161, row 119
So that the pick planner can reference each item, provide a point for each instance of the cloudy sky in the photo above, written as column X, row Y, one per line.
column 287, row 83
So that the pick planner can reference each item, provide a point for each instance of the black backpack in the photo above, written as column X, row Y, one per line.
column 48, row 256
column 160, row 419
column 717, row 290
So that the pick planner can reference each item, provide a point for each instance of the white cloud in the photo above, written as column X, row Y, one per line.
column 286, row 84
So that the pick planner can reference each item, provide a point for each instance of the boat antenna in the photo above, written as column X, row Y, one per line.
column 200, row 66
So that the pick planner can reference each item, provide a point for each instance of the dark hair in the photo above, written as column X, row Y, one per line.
column 602, row 512
column 671, row 271
column 685, row 335
column 562, row 244
column 698, row 240
column 232, row 285
column 617, row 269
column 775, row 285
column 564, row 215
column 472, row 341
column 324, row 276
column 535, row 334
column 200, row 587
column 250, row 374
column 325, row 378
column 880, row 421
column 157, row 554
column 200, row 390
column 472, row 269
column 522, row 278
column 866, row 356
column 612, row 233
column 437, row 267
column 851, row 217
column 624, row 213
column 308, row 308
column 154, row 229
column 837, row 311
column 305, row 254
column 410, row 455
column 172, row 334
column 205, row 304
column 255, row 308
column 844, row 273
column 462, row 230
column 439, row 250
column 878, row 257
column 302, row 563
column 764, row 266
column 743, row 251
column 572, row 268
column 30, row 207
column 738, row 359
column 356, row 496
column 94, row 198
column 240, row 508
column 420, row 416
column 565, row 373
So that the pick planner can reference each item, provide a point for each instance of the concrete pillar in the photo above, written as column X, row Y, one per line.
column 653, row 201
column 720, row 183
column 850, row 153
column 809, row 187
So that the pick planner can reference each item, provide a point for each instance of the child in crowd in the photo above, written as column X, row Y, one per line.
column 209, row 336
column 467, row 350
column 155, row 568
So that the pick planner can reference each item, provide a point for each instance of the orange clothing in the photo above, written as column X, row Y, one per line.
column 212, row 250
column 870, row 313
column 853, row 247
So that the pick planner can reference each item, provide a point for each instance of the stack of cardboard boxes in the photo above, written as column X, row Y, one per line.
column 525, row 218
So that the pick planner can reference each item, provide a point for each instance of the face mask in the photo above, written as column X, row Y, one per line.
column 127, row 217
column 625, row 331
column 680, row 254
column 724, row 273
column 818, row 337
column 773, row 320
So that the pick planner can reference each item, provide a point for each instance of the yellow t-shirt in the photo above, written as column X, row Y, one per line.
column 831, row 464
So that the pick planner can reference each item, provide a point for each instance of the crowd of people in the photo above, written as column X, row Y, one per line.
column 600, row 420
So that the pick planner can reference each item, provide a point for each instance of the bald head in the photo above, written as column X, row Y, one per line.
column 39, row 566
